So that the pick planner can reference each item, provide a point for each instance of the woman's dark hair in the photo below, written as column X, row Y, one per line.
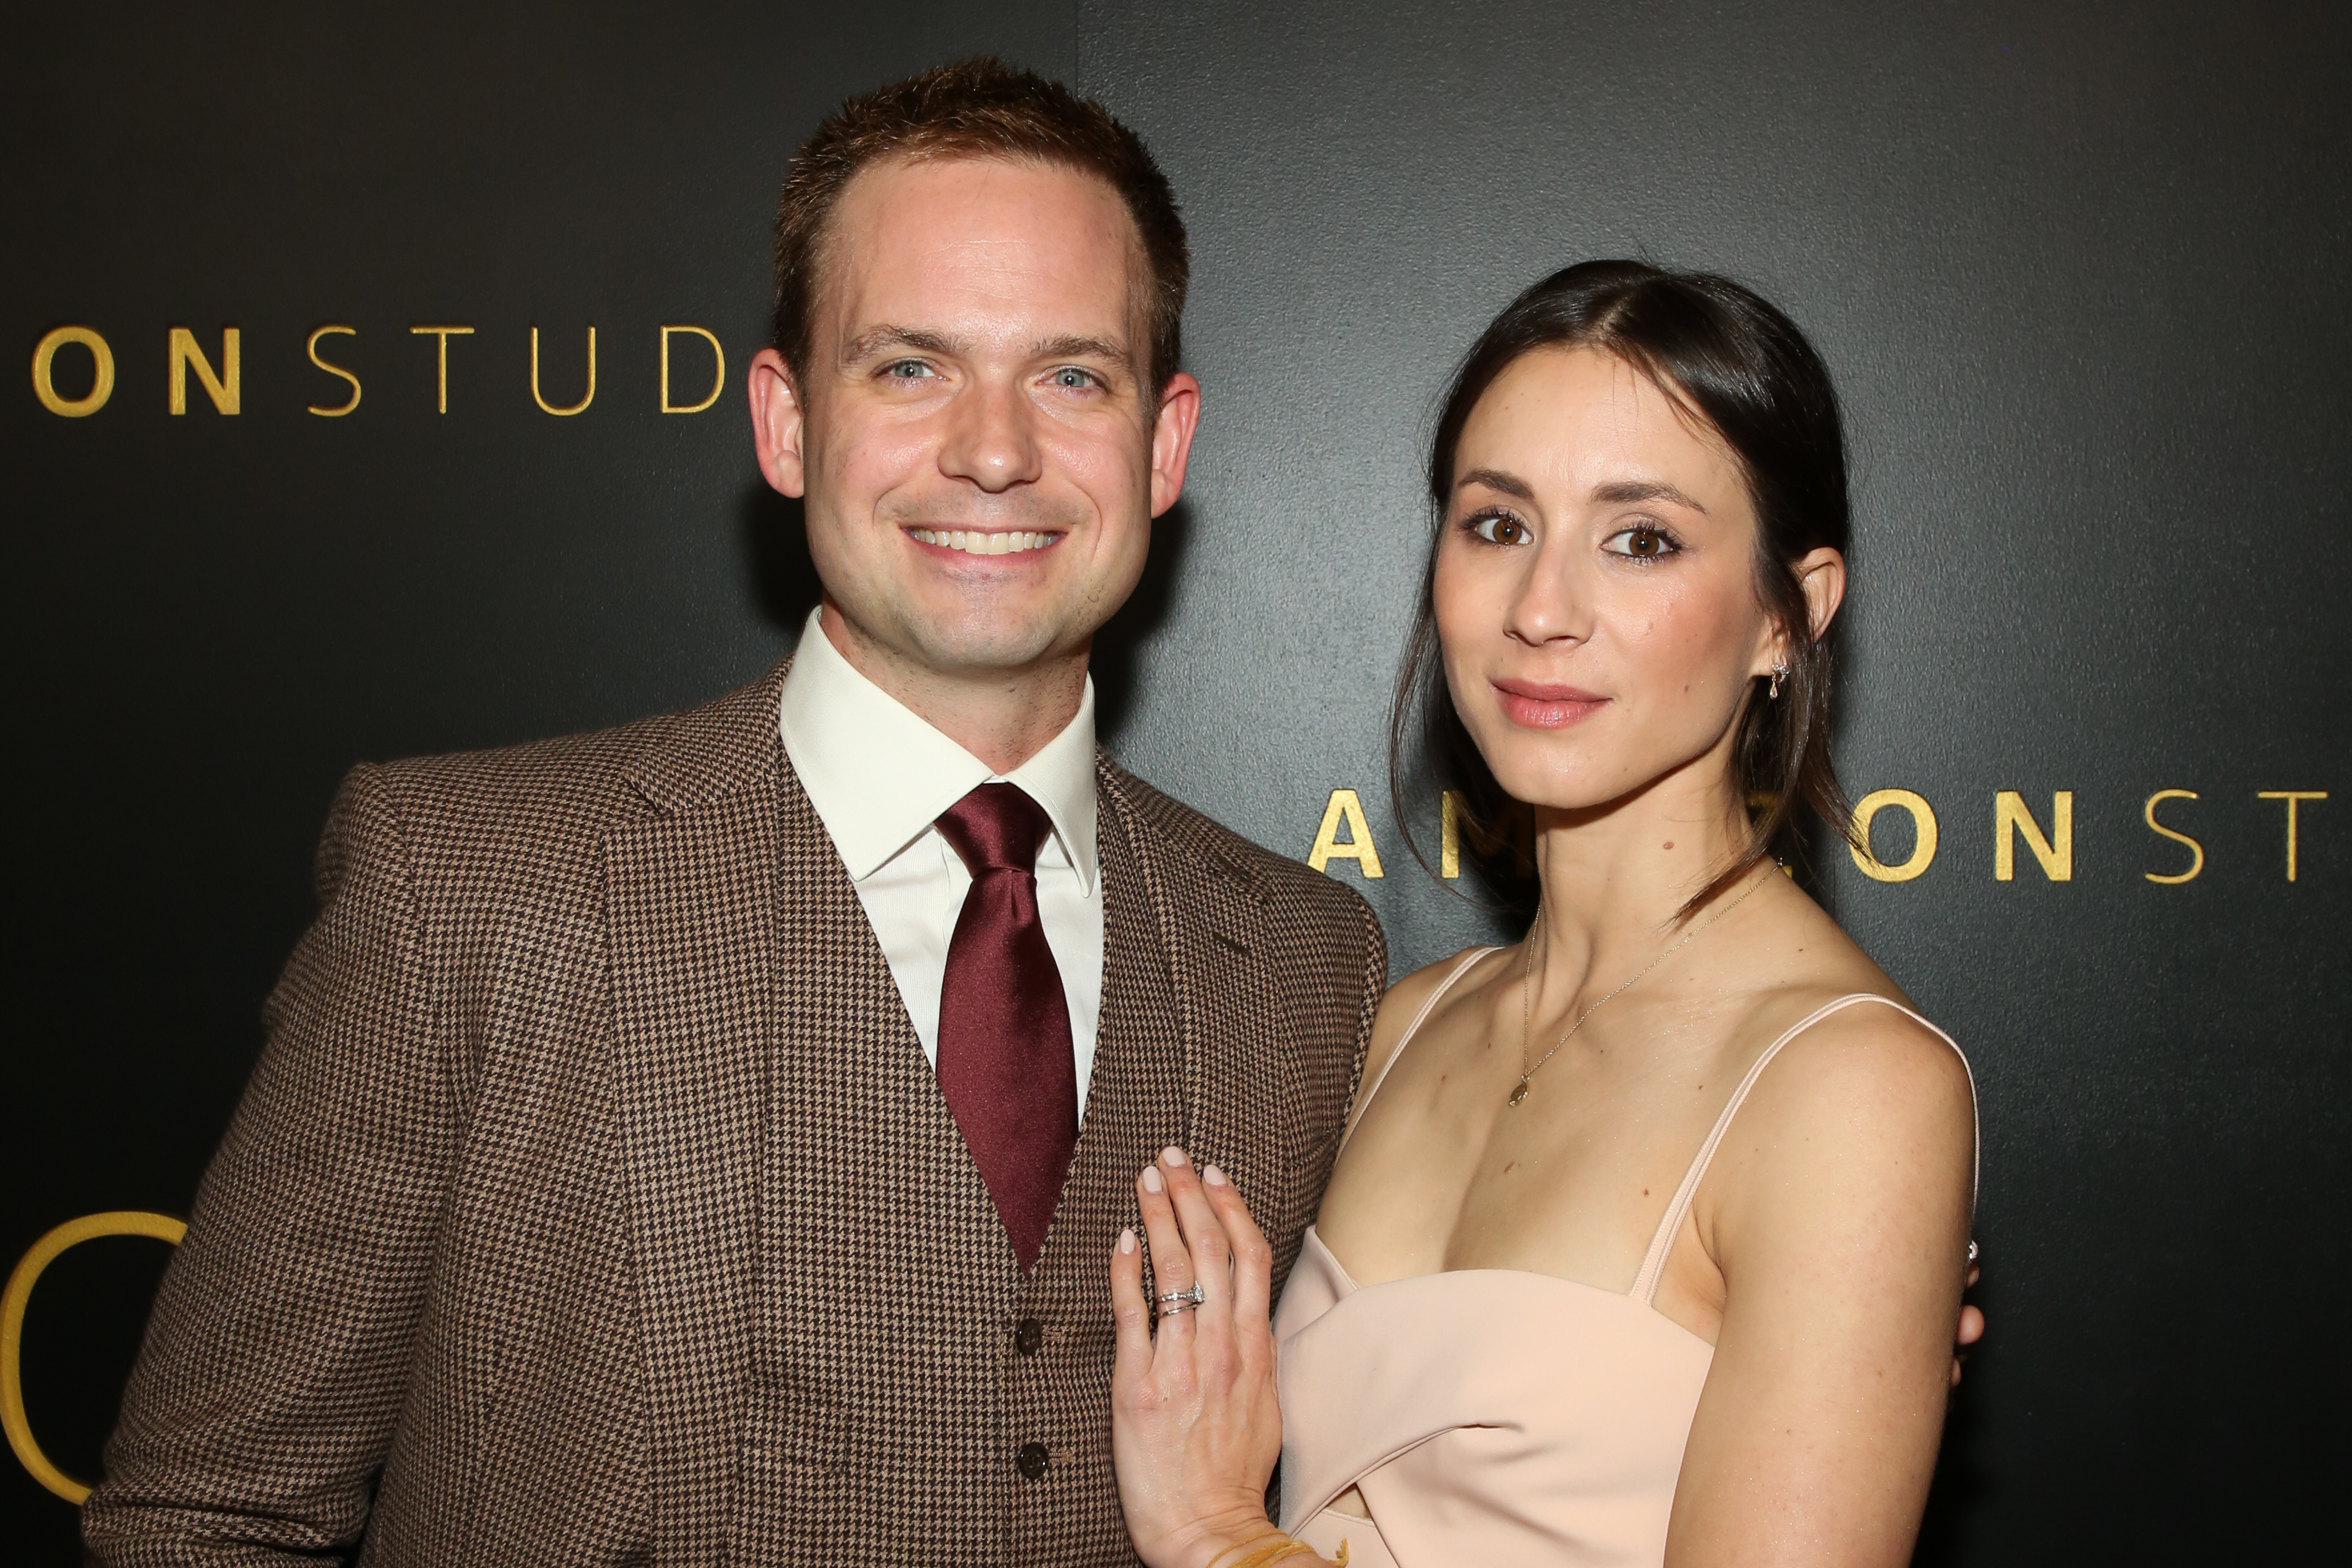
column 1742, row 367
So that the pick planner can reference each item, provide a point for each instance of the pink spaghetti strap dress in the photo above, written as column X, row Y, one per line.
column 1492, row 1415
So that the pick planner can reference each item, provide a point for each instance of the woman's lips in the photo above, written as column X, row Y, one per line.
column 1540, row 706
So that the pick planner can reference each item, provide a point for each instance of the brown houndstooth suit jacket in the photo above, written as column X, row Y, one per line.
column 593, row 1202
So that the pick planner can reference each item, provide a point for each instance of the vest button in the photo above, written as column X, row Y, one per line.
column 1030, row 1337
column 1030, row 1461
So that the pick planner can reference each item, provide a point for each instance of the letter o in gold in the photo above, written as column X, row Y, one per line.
column 72, row 1233
column 45, row 387
column 1922, row 824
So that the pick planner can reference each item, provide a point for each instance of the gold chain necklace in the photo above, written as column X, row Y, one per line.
column 1527, row 987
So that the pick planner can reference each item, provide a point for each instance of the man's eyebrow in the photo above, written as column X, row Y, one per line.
column 1079, row 347
column 1627, row 490
column 1496, row 479
column 880, row 339
column 874, row 339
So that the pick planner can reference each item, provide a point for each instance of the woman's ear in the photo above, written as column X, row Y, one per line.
column 1823, row 574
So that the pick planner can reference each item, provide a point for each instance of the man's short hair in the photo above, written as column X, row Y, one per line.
column 976, row 108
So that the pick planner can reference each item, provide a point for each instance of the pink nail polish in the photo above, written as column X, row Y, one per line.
column 1126, row 1241
column 1212, row 1176
column 1151, row 1179
column 1174, row 1156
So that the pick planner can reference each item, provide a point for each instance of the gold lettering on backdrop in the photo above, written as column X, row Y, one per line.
column 224, row 390
column 72, row 1233
column 441, row 347
column 2196, row 850
column 334, row 370
column 1344, row 807
column 580, row 407
column 2294, row 799
column 717, row 374
column 101, row 387
column 1923, row 834
column 2012, row 816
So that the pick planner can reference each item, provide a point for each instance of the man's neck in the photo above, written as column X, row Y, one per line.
column 1004, row 717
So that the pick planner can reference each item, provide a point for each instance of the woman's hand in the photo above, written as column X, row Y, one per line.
column 1195, row 1428
column 1973, row 1320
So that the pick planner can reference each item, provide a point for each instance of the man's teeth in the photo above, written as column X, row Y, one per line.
column 972, row 543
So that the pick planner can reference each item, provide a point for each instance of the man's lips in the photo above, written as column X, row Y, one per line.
column 979, row 541
column 1540, row 707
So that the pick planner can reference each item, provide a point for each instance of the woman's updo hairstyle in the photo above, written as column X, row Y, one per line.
column 1743, row 369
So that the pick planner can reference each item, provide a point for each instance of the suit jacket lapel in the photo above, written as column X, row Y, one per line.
column 1238, row 1073
column 1190, row 1051
column 691, row 891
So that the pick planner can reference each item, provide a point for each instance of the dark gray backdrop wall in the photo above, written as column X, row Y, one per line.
column 2080, row 272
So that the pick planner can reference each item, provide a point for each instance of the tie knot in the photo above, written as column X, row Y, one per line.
column 996, row 828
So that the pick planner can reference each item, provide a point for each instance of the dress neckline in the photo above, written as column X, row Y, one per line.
column 1315, row 1237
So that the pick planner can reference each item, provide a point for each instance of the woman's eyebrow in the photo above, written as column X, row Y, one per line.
column 1628, row 490
column 1496, row 479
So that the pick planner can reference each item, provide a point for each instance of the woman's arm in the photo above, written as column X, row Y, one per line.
column 1839, row 1217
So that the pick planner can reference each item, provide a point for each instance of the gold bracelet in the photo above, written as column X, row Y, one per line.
column 1269, row 1548
column 1244, row 1546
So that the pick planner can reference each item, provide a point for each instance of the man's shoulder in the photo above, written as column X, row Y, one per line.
column 570, row 784
column 1271, row 878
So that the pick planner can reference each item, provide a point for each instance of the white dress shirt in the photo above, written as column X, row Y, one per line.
column 879, row 776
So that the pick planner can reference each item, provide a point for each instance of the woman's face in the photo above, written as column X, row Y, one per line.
column 1595, row 586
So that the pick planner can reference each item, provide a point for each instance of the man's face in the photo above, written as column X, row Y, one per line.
column 980, row 452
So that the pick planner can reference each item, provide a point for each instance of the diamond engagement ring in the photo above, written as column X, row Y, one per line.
column 1183, row 1301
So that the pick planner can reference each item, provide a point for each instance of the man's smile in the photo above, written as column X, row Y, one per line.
column 975, row 541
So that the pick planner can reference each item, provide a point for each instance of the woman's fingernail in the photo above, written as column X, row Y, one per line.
column 1212, row 1176
column 1151, row 1179
column 1174, row 1156
column 1127, row 1240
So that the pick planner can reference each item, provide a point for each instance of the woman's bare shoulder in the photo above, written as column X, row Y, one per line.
column 1872, row 1083
column 1404, row 1002
column 1871, row 1029
column 1878, row 1035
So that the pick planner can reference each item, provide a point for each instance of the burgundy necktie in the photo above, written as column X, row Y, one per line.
column 1005, row 1061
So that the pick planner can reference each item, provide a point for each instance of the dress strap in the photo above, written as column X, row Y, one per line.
column 1653, row 1264
column 1410, row 1030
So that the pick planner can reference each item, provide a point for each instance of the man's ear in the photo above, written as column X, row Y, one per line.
column 778, row 422
column 1171, row 439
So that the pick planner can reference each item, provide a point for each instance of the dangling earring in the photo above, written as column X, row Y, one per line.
column 1780, row 673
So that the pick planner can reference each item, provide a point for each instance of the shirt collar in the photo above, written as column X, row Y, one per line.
column 879, row 776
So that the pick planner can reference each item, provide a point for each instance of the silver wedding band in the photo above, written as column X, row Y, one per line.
column 1183, row 1301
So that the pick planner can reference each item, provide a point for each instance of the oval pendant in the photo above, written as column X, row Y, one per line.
column 1520, row 1093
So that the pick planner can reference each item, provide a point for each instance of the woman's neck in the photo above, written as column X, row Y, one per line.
column 1614, row 878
